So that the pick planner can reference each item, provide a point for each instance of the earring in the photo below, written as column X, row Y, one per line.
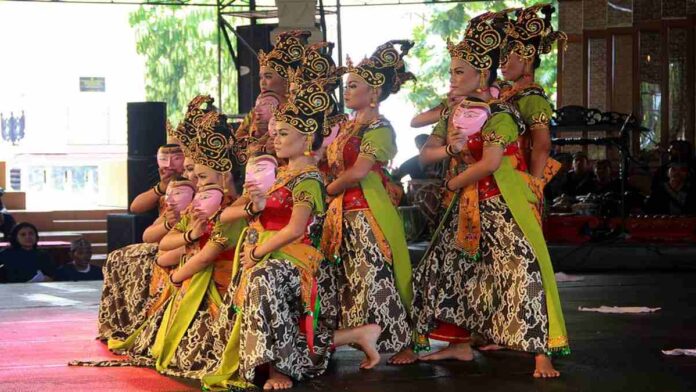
column 483, row 85
column 308, row 151
column 373, row 104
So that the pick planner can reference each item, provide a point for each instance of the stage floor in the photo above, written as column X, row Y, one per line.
column 43, row 326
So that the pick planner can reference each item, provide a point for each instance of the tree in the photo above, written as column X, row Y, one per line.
column 431, row 59
column 180, row 48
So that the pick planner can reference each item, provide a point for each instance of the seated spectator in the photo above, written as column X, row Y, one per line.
column 676, row 196
column 680, row 152
column 7, row 222
column 604, row 180
column 23, row 261
column 79, row 268
column 559, row 182
column 581, row 178
column 412, row 167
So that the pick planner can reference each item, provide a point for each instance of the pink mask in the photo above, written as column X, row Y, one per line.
column 495, row 91
column 332, row 135
column 261, row 171
column 171, row 158
column 178, row 197
column 271, row 126
column 265, row 104
column 469, row 119
column 207, row 202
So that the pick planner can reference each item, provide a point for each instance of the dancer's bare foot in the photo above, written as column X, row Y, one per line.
column 544, row 368
column 403, row 357
column 277, row 380
column 366, row 339
column 458, row 351
column 490, row 347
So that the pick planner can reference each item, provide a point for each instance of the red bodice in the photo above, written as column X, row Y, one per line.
column 278, row 211
column 487, row 186
column 353, row 198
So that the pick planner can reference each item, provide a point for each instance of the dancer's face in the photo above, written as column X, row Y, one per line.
column 270, row 81
column 358, row 94
column 513, row 68
column 464, row 79
column 206, row 175
column 188, row 170
column 289, row 142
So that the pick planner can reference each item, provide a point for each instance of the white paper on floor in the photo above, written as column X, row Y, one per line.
column 619, row 309
column 691, row 352
column 563, row 277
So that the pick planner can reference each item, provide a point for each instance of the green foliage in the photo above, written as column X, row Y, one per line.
column 180, row 49
column 430, row 59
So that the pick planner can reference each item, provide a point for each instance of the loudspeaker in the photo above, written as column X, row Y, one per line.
column 126, row 229
column 147, row 127
column 147, row 131
column 258, row 37
column 142, row 174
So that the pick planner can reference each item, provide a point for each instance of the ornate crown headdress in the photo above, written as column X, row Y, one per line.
column 307, row 110
column 287, row 53
column 531, row 34
column 385, row 67
column 206, row 133
column 481, row 44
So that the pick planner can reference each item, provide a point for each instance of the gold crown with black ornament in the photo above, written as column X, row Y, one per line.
column 480, row 47
column 307, row 110
column 206, row 134
column 287, row 53
column 317, row 64
column 530, row 34
column 385, row 67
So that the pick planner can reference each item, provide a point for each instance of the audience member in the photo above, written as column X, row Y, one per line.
column 79, row 268
column 676, row 195
column 7, row 222
column 680, row 152
column 23, row 262
column 412, row 167
column 604, row 180
column 580, row 178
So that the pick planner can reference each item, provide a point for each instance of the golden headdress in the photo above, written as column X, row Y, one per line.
column 318, row 65
column 205, row 135
column 307, row 110
column 385, row 67
column 481, row 44
column 531, row 34
column 287, row 53
column 182, row 181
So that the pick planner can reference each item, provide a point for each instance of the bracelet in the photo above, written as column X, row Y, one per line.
column 254, row 258
column 188, row 238
column 449, row 151
column 167, row 225
column 249, row 209
column 171, row 280
column 157, row 190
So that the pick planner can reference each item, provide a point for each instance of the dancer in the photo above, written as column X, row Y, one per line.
column 528, row 37
column 275, row 300
column 488, row 269
column 130, row 282
column 363, row 232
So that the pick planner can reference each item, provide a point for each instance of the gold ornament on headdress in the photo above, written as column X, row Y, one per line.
column 206, row 133
column 385, row 66
column 287, row 53
column 307, row 110
column 481, row 41
column 182, row 182
column 530, row 35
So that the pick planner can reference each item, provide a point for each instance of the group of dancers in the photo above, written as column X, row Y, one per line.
column 262, row 287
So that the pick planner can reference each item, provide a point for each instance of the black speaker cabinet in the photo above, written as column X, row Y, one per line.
column 258, row 37
column 147, row 129
column 126, row 229
column 142, row 175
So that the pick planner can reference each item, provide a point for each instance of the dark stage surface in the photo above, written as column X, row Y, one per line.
column 43, row 326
